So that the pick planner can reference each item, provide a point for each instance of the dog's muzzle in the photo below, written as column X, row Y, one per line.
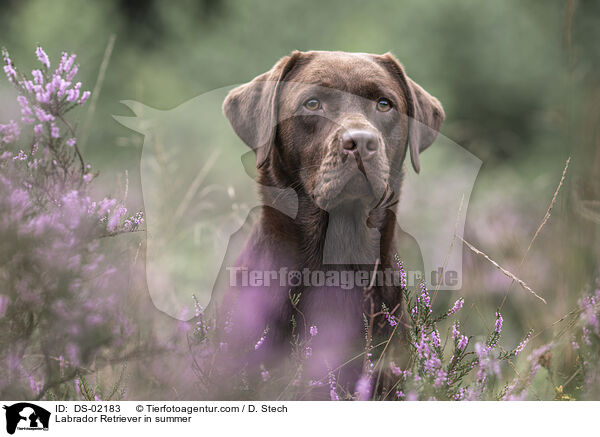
column 354, row 168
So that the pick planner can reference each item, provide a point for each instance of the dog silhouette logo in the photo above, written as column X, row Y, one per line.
column 199, row 185
column 26, row 416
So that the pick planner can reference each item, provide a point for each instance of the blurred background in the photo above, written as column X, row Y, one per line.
column 518, row 80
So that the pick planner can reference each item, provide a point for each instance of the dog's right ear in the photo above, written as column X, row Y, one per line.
column 252, row 108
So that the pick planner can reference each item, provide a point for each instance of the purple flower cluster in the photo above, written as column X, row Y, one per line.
column 494, row 336
column 498, row 325
column 332, row 387
column 44, row 99
column 56, row 271
column 391, row 320
column 422, row 308
column 265, row 375
column 423, row 297
column 488, row 364
column 461, row 340
column 10, row 132
column 590, row 307
column 402, row 272
column 261, row 340
column 364, row 388
column 523, row 343
column 433, row 377
column 457, row 306
column 48, row 95
column 428, row 354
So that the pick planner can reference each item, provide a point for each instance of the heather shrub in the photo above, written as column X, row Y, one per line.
column 436, row 364
column 59, row 300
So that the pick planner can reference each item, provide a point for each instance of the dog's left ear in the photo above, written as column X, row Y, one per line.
column 425, row 112
column 252, row 108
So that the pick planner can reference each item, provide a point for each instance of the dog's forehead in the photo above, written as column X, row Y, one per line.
column 342, row 70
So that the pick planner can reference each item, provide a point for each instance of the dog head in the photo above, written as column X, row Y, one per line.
column 335, row 125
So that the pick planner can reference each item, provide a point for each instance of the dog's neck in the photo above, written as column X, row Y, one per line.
column 348, row 239
column 348, row 235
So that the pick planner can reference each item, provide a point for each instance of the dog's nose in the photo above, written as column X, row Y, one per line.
column 363, row 141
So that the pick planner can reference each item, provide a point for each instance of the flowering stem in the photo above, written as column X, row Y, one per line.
column 75, row 145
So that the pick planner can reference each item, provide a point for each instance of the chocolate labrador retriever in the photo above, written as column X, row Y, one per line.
column 333, row 128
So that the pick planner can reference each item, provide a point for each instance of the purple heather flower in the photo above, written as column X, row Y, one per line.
column 9, row 69
column 498, row 327
column 261, row 340
column 589, row 314
column 62, row 87
column 397, row 371
column 308, row 352
column 462, row 343
column 313, row 331
column 38, row 77
column 455, row 331
column 68, row 62
column 265, row 375
column 42, row 56
column 487, row 363
column 72, row 73
column 432, row 364
column 71, row 142
column 54, row 131
column 522, row 345
column 332, row 387
column 34, row 386
column 28, row 85
column 586, row 336
column 363, row 388
column 412, row 396
column 435, row 336
column 42, row 115
column 423, row 299
column 61, row 64
column 9, row 132
column 73, row 93
column 84, row 97
column 440, row 378
column 457, row 306
column 402, row 272
column 21, row 156
column 391, row 319
column 25, row 109
column 42, row 97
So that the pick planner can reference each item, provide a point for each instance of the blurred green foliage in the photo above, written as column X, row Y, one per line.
column 518, row 81
column 499, row 68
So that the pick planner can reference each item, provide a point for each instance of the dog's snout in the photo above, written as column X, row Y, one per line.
column 362, row 141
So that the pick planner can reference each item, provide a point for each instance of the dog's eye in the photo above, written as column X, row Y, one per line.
column 312, row 104
column 384, row 105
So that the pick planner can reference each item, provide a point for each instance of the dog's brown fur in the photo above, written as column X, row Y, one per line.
column 341, row 201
